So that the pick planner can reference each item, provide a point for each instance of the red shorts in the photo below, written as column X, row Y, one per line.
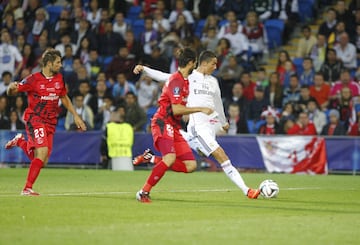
column 39, row 135
column 168, row 139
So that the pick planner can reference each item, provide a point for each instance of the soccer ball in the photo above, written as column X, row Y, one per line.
column 269, row 188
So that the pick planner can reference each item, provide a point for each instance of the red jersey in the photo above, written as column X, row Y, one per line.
column 307, row 130
column 43, row 96
column 175, row 91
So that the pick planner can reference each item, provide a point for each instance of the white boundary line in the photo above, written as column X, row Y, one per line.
column 3, row 195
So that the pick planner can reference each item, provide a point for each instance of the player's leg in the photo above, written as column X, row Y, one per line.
column 185, row 160
column 38, row 141
column 20, row 141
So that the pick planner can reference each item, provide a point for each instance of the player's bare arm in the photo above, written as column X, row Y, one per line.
column 12, row 89
column 179, row 109
column 77, row 119
column 138, row 69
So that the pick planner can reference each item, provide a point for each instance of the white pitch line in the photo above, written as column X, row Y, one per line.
column 3, row 195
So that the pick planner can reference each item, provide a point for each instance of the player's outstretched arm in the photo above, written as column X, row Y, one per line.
column 154, row 74
column 12, row 89
column 77, row 119
column 179, row 109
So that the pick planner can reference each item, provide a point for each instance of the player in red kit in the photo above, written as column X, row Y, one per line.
column 44, row 89
column 165, row 125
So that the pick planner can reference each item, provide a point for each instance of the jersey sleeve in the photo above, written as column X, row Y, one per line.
column 156, row 75
column 26, row 85
column 175, row 87
column 63, row 91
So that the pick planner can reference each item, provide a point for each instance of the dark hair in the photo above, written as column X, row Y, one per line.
column 304, row 86
column 294, row 75
column 50, row 55
column 6, row 73
column 308, row 58
column 261, row 69
column 206, row 55
column 306, row 27
column 185, row 56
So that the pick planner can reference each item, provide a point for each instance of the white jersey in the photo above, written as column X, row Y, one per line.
column 204, row 91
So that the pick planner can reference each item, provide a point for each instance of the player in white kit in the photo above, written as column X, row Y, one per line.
column 201, row 132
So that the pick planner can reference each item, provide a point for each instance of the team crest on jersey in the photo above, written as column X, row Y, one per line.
column 176, row 91
column 23, row 82
column 42, row 86
column 57, row 85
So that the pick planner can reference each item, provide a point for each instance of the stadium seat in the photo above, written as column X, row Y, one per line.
column 274, row 29
column 251, row 126
column 54, row 12
column 199, row 27
column 298, row 64
column 61, row 124
column 306, row 10
column 223, row 22
column 138, row 28
column 134, row 12
column 106, row 61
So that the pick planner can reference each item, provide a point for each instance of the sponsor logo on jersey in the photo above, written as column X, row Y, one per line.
column 57, row 85
column 51, row 96
column 50, row 89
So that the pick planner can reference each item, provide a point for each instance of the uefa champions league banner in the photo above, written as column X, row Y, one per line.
column 294, row 154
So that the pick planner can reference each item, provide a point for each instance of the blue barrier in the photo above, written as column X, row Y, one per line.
column 343, row 153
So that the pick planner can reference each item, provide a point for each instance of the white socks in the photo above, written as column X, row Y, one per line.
column 234, row 175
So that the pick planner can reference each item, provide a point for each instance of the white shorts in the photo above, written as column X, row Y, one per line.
column 201, row 139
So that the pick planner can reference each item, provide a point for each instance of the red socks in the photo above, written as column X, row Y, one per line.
column 179, row 166
column 155, row 176
column 23, row 145
column 34, row 170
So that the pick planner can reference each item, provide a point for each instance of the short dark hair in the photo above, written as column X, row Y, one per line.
column 50, row 55
column 206, row 55
column 306, row 28
column 6, row 73
column 185, row 56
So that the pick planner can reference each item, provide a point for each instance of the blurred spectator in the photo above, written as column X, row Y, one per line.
column 209, row 39
column 318, row 52
column 357, row 41
column 258, row 104
column 135, row 115
column 328, row 26
column 77, row 15
column 6, row 79
column 240, row 7
column 292, row 93
column 39, row 25
column 83, row 31
column 104, row 19
column 261, row 78
column 30, row 11
column 239, row 42
column 305, row 43
column 97, row 100
column 148, row 92
column 304, row 98
column 41, row 45
column 354, row 129
column 150, row 37
column 83, row 51
column 19, row 107
column 320, row 91
column 123, row 62
column 29, row 59
column 343, row 14
column 248, row 85
column 274, row 92
column 94, row 14
column 67, row 61
column 307, row 76
column 180, row 9
column 225, row 27
column 15, row 123
column 160, row 23
column 237, row 97
column 332, row 67
column 134, row 46
column 237, row 120
column 223, row 52
column 164, row 7
column 229, row 74
column 84, row 90
column 19, row 43
column 83, row 111
column 346, row 52
column 103, row 113
column 110, row 42
column 317, row 116
column 334, row 37
column 262, row 8
column 256, row 35
column 156, row 60
column 334, row 126
column 121, row 87
column 94, row 64
column 182, row 28
column 210, row 23
column 20, row 29
column 4, row 114
column 115, row 6
column 344, row 104
column 288, row 72
column 62, row 26
column 11, row 59
column 65, row 41
column 271, row 126
column 287, row 117
column 281, row 65
column 345, row 82
column 303, row 126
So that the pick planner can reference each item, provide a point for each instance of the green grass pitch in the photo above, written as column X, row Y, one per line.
column 99, row 207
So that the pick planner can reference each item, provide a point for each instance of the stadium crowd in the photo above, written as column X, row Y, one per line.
column 315, row 92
